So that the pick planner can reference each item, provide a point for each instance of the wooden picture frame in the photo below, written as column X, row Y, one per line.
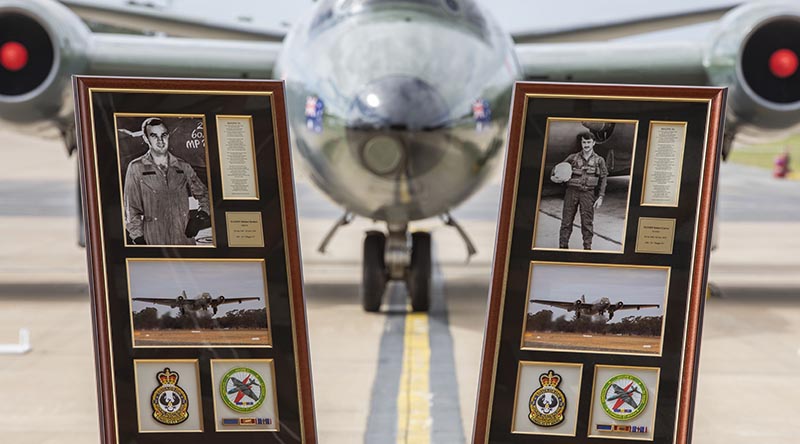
column 264, row 241
column 679, row 165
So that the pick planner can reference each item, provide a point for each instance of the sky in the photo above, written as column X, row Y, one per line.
column 564, row 282
column 166, row 279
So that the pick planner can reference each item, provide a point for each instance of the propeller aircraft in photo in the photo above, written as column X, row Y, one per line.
column 601, row 306
column 202, row 302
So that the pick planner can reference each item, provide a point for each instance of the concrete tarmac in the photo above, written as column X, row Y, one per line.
column 374, row 381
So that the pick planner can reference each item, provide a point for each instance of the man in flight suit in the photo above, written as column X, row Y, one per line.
column 157, row 189
column 585, row 190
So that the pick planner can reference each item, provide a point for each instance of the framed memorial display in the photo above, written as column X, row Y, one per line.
column 601, row 262
column 194, row 260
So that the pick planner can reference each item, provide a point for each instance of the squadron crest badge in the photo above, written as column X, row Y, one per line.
column 624, row 397
column 547, row 403
column 242, row 389
column 170, row 403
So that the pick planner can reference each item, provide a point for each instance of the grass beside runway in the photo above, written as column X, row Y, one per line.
column 763, row 155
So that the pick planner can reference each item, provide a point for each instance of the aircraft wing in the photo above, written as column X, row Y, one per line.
column 231, row 19
column 161, row 301
column 746, row 51
column 614, row 62
column 634, row 306
column 235, row 300
column 118, row 54
column 597, row 21
column 583, row 52
column 569, row 306
column 38, row 92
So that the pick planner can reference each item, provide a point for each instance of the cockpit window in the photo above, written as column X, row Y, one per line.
column 331, row 12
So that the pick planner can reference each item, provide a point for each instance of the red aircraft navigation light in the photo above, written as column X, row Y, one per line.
column 783, row 63
column 14, row 56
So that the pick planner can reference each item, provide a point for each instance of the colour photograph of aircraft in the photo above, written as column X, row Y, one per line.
column 600, row 306
column 203, row 302
column 397, row 108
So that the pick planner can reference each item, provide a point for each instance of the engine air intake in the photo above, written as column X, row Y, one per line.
column 26, row 53
column 770, row 61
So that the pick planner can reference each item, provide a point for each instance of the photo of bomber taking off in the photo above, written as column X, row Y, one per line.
column 624, row 312
column 229, row 308
column 203, row 302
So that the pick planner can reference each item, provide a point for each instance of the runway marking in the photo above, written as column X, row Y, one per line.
column 382, row 419
column 415, row 393
column 447, row 427
column 414, row 396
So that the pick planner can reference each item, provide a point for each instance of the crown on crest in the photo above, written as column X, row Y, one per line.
column 167, row 377
column 549, row 379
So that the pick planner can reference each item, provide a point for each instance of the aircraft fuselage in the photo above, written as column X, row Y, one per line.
column 388, row 103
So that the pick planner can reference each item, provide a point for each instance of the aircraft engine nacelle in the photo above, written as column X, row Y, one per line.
column 755, row 51
column 220, row 300
column 41, row 45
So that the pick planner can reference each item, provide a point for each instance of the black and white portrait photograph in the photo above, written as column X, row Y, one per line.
column 200, row 302
column 596, row 308
column 585, row 185
column 165, row 181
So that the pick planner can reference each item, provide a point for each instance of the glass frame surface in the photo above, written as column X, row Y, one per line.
column 99, row 100
column 683, row 250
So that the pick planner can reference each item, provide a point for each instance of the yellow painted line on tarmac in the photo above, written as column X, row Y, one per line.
column 414, row 394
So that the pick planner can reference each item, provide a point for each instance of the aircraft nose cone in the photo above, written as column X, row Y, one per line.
column 398, row 102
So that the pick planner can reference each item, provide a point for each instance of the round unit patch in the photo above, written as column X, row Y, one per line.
column 547, row 403
column 242, row 389
column 624, row 397
column 170, row 403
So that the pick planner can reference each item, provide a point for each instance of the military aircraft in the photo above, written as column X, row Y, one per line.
column 203, row 302
column 243, row 388
column 600, row 306
column 397, row 107
column 626, row 396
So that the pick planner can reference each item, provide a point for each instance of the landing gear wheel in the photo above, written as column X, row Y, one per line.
column 419, row 273
column 373, row 281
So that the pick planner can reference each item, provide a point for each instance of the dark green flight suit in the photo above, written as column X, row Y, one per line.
column 157, row 200
column 587, row 176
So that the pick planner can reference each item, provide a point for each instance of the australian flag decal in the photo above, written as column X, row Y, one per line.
column 481, row 112
column 315, row 109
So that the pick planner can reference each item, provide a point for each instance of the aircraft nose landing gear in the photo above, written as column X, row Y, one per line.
column 396, row 258
column 374, row 278
column 418, row 279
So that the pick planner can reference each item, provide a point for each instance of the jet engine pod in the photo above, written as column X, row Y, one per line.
column 41, row 45
column 757, row 51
